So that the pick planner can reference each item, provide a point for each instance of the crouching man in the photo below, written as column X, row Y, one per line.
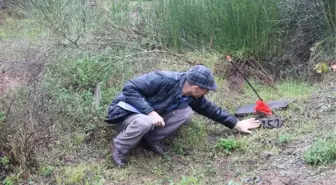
column 154, row 105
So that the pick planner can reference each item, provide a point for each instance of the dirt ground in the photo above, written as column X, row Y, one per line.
column 288, row 168
column 14, row 74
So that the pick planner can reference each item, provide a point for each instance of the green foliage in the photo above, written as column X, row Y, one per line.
column 4, row 161
column 11, row 179
column 71, row 85
column 68, row 19
column 285, row 138
column 79, row 139
column 82, row 74
column 210, row 169
column 191, row 136
column 323, row 53
column 328, row 9
column 2, row 118
column 5, row 31
column 321, row 67
column 321, row 152
column 227, row 145
column 196, row 133
column 284, row 90
column 82, row 174
column 8, row 181
column 232, row 182
column 74, row 110
column 188, row 180
column 120, row 12
column 46, row 170
column 244, row 27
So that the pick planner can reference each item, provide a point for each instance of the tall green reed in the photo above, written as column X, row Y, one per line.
column 328, row 10
column 242, row 26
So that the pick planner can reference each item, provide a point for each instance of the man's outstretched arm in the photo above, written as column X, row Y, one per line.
column 214, row 112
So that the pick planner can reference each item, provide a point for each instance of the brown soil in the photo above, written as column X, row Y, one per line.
column 9, row 80
column 289, row 168
column 17, row 74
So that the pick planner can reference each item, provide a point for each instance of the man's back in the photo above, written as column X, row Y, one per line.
column 158, row 90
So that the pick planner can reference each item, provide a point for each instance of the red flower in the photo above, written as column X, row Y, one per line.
column 262, row 107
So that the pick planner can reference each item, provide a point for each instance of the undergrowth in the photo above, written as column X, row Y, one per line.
column 53, row 129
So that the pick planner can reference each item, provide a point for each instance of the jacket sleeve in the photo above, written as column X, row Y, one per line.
column 212, row 111
column 140, row 87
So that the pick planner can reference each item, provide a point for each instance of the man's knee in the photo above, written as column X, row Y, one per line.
column 186, row 114
column 189, row 113
column 144, row 122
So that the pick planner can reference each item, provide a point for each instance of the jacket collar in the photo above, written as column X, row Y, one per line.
column 182, row 80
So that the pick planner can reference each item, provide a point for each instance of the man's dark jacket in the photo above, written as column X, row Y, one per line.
column 160, row 91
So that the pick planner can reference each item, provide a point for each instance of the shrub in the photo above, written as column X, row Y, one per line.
column 27, row 127
column 227, row 145
column 285, row 138
column 321, row 152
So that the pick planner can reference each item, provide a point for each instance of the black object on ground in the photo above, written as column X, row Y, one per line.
column 274, row 105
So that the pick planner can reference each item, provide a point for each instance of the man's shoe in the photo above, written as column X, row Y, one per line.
column 156, row 148
column 117, row 156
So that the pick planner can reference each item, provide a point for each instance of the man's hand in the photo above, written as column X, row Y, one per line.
column 157, row 119
column 247, row 124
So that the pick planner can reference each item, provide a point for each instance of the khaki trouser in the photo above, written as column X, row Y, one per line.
column 137, row 126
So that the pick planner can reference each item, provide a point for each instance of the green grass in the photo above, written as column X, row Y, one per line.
column 321, row 152
column 285, row 138
column 46, row 170
column 188, row 180
column 81, row 174
column 328, row 10
column 27, row 29
column 281, row 91
column 287, row 89
column 244, row 27
column 227, row 145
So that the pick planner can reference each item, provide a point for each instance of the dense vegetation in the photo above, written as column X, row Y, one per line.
column 79, row 53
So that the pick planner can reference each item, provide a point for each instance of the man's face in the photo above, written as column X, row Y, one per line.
column 198, row 92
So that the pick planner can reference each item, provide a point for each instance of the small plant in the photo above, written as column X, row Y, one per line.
column 79, row 138
column 4, row 161
column 231, row 182
column 46, row 170
column 2, row 116
column 284, row 138
column 8, row 181
column 82, row 174
column 210, row 169
column 186, row 180
column 227, row 145
column 11, row 180
column 321, row 152
column 321, row 67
